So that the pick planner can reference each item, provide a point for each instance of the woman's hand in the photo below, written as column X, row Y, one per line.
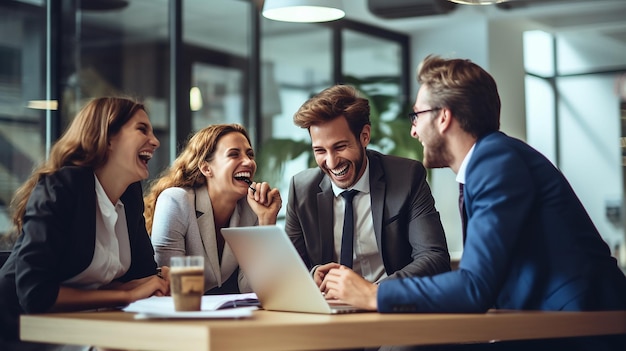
column 111, row 295
column 145, row 287
column 265, row 202
column 158, row 285
column 164, row 273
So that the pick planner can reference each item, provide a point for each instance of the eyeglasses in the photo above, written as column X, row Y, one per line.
column 414, row 115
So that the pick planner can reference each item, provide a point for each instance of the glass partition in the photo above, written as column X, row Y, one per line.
column 296, row 62
column 228, row 65
column 216, row 96
column 374, row 65
column 115, row 51
column 22, row 101
column 574, row 116
column 216, row 39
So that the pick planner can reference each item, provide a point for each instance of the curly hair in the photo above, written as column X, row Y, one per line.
column 185, row 170
column 85, row 143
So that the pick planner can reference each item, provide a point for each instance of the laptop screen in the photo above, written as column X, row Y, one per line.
column 275, row 270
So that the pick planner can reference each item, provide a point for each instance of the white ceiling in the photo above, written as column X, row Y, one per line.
column 227, row 21
column 602, row 16
column 596, row 27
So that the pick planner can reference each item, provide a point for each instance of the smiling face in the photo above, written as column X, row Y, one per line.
column 425, row 130
column 233, row 158
column 132, row 147
column 338, row 153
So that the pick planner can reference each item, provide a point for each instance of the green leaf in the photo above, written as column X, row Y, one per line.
column 274, row 154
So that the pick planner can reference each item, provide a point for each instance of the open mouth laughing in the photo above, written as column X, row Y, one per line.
column 145, row 156
column 244, row 177
column 340, row 172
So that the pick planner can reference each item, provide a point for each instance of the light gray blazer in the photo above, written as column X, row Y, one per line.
column 184, row 225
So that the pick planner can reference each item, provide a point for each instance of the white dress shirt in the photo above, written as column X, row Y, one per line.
column 367, row 260
column 460, row 176
column 111, row 258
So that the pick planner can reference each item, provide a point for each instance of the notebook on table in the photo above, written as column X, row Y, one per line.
column 276, row 272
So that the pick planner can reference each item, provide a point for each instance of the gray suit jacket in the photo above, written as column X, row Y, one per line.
column 184, row 225
column 408, row 230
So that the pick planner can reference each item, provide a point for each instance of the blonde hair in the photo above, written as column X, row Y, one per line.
column 185, row 170
column 84, row 144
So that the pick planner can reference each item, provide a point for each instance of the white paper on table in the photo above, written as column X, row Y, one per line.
column 240, row 312
column 163, row 307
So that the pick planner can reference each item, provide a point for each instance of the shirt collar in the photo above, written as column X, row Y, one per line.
column 106, row 206
column 460, row 176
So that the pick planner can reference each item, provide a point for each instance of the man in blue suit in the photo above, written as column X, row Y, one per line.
column 529, row 243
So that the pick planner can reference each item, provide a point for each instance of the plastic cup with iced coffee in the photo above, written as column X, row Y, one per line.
column 187, row 282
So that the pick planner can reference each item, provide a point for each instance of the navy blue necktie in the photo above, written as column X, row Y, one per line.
column 347, row 238
column 462, row 211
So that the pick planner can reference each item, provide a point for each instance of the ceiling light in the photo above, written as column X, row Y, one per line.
column 478, row 2
column 195, row 99
column 43, row 104
column 303, row 10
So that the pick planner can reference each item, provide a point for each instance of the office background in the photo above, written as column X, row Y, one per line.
column 560, row 67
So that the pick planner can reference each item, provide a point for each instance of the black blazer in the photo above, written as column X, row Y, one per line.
column 58, row 241
column 408, row 230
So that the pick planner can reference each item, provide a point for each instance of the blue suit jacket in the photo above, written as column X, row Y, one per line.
column 530, row 244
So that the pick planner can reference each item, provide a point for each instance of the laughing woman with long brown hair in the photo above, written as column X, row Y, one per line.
column 82, row 242
column 209, row 187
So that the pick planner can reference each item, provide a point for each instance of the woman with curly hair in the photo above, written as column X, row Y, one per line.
column 209, row 187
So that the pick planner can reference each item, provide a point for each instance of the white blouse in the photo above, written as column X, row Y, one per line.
column 111, row 258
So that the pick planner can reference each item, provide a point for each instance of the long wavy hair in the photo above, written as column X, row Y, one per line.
column 84, row 144
column 185, row 170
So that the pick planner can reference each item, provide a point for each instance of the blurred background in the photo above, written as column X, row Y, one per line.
column 560, row 67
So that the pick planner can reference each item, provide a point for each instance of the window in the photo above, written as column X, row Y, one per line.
column 22, row 84
column 228, row 65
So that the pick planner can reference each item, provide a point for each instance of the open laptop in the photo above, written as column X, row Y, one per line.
column 276, row 272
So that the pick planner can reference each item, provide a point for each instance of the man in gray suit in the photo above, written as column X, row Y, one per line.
column 396, row 230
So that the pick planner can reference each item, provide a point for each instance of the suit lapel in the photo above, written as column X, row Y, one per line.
column 377, row 195
column 242, row 216
column 325, row 220
column 85, row 181
column 206, row 226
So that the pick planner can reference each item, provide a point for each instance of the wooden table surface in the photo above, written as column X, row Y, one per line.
column 269, row 330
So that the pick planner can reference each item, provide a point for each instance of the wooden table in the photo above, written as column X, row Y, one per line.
column 268, row 330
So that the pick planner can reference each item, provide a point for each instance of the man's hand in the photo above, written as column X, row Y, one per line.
column 344, row 284
column 321, row 271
